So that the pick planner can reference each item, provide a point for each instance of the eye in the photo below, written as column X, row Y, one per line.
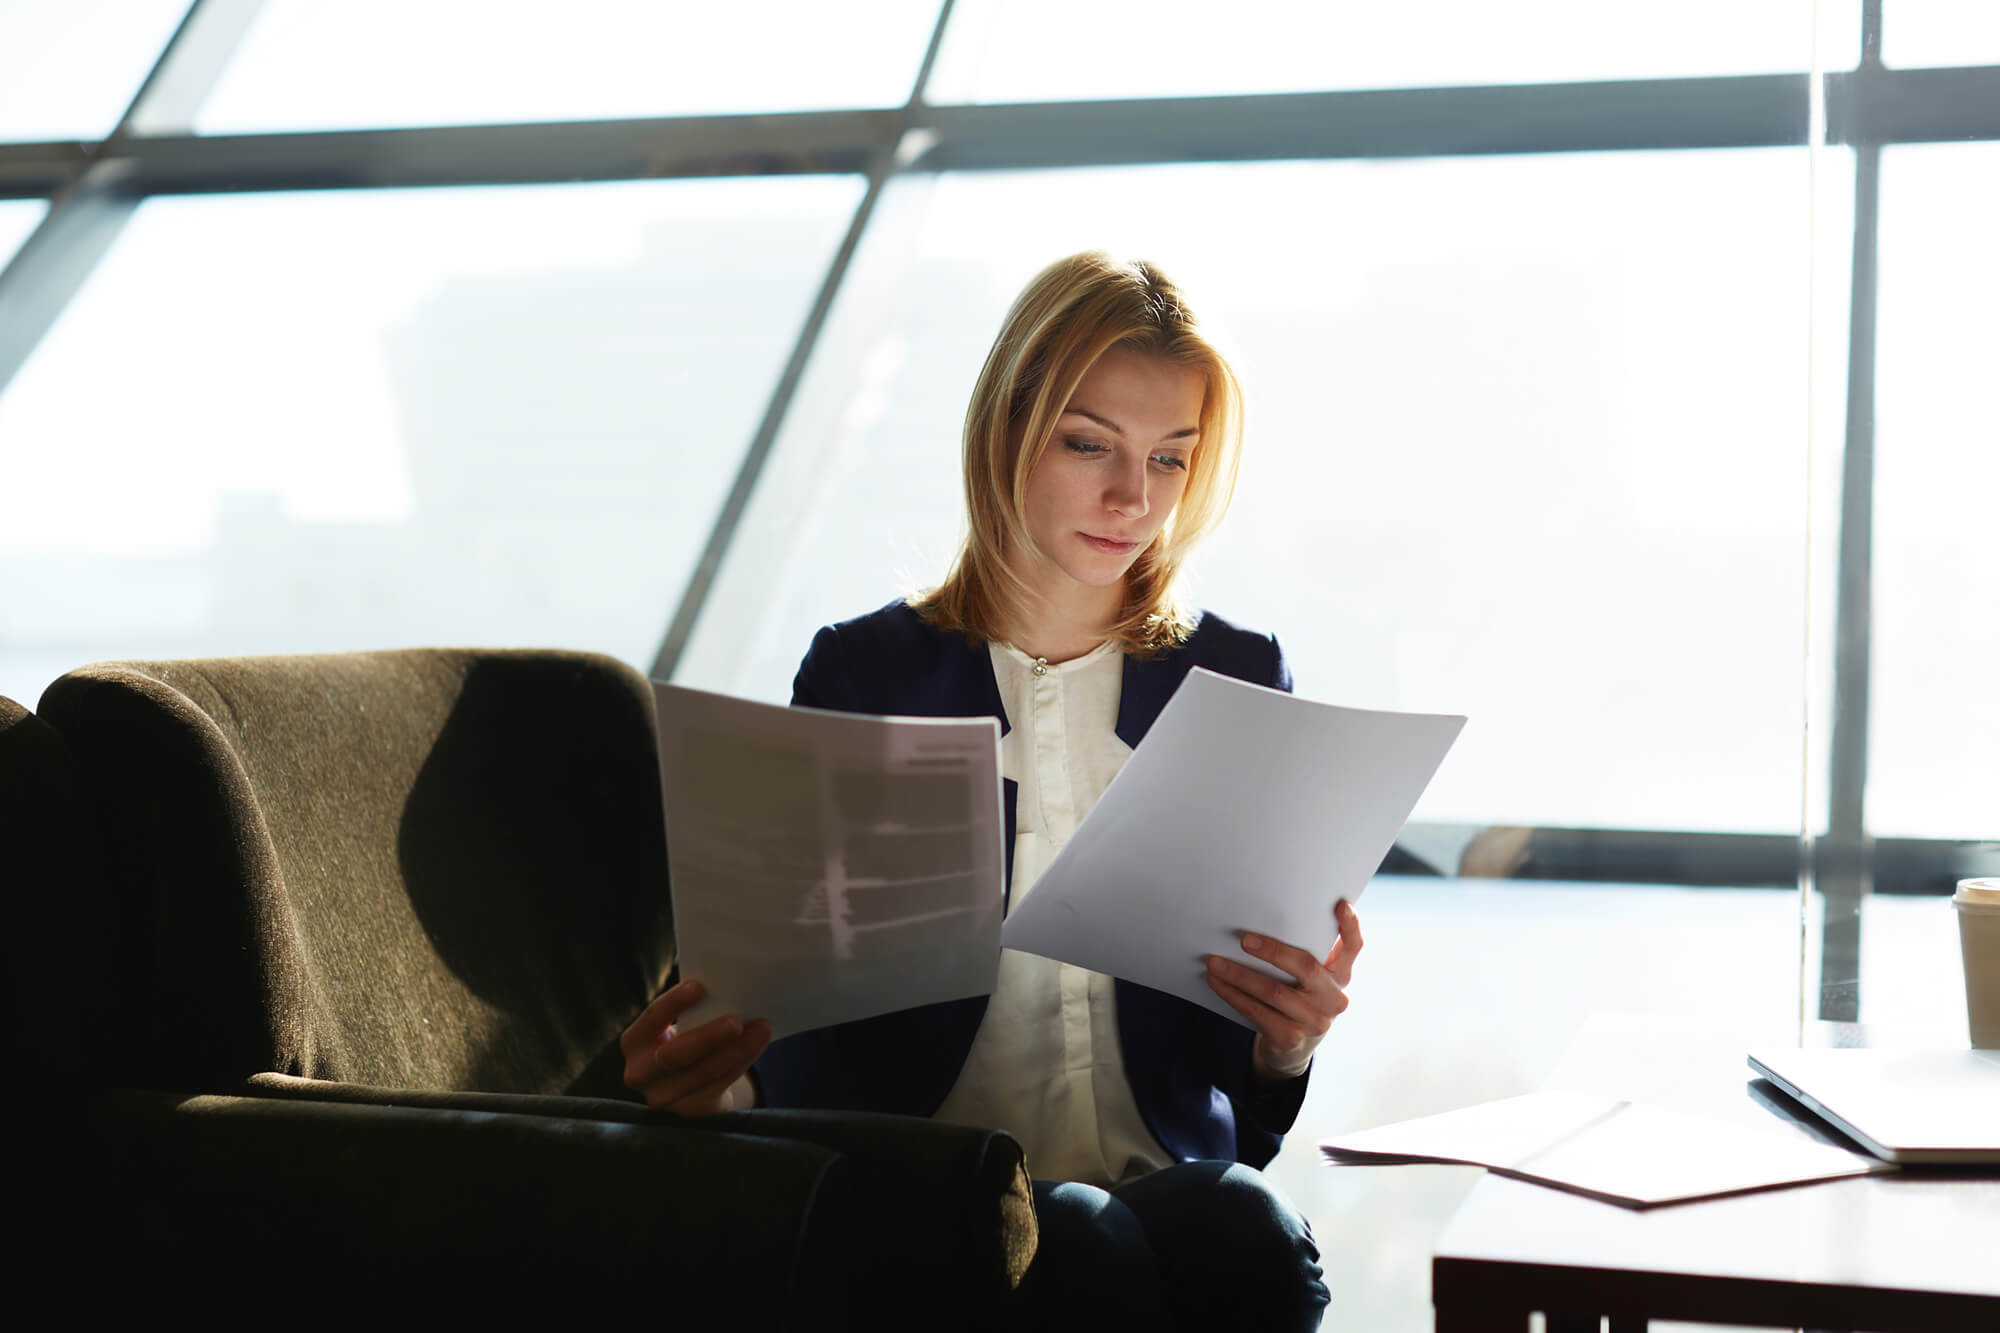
column 1175, row 462
column 1083, row 447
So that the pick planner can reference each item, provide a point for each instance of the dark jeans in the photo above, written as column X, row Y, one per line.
column 1207, row 1245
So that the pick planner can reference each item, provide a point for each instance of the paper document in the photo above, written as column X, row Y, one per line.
column 827, row 866
column 1618, row 1151
column 1246, row 809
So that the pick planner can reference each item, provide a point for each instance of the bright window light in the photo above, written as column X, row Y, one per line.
column 318, row 422
column 1058, row 50
column 369, row 64
column 1527, row 440
column 69, row 68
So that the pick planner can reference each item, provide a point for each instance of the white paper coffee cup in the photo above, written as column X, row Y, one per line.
column 1978, row 904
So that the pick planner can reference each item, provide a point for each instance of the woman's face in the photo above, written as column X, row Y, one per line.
column 1113, row 470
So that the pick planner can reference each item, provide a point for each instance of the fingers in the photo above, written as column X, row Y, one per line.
column 694, row 1072
column 1302, row 965
column 1310, row 1006
column 700, row 1087
column 650, row 1026
column 683, row 1050
column 711, row 1100
column 688, row 1072
column 1279, row 1028
column 1340, row 962
column 1290, row 1018
column 1315, row 982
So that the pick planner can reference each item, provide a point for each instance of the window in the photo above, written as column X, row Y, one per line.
column 1049, row 50
column 324, row 64
column 1529, row 431
column 1526, row 440
column 1936, row 719
column 375, row 419
column 1917, row 33
column 69, row 68
column 18, row 220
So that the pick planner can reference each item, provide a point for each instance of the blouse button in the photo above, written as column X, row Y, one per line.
column 1041, row 666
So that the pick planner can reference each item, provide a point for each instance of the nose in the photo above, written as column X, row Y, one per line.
column 1125, row 488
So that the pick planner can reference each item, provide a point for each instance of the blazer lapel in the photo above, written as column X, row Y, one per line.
column 982, row 688
column 1148, row 684
column 960, row 684
column 966, row 687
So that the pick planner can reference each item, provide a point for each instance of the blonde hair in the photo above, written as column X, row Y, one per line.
column 1073, row 312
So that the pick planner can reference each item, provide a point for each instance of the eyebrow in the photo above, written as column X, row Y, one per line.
column 1116, row 429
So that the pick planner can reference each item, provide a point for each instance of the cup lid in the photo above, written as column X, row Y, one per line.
column 1978, row 891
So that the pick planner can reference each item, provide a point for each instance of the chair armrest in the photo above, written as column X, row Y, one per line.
column 948, row 1205
column 291, row 1087
column 995, row 1212
column 328, row 1213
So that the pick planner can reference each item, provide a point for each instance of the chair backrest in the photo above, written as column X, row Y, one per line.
column 56, row 940
column 428, row 868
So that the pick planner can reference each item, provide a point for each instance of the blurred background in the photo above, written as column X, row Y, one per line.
column 1614, row 378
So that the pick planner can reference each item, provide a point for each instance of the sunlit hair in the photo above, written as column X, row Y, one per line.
column 1073, row 312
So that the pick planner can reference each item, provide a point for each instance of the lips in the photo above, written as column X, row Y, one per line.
column 1108, row 545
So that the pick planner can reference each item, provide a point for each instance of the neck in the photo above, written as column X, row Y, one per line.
column 1064, row 624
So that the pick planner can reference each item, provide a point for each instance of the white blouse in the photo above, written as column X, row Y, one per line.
column 1046, row 1066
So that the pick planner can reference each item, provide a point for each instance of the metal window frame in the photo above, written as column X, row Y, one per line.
column 1867, row 105
column 1842, row 868
column 94, row 188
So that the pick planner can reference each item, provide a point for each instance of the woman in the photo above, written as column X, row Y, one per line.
column 1100, row 444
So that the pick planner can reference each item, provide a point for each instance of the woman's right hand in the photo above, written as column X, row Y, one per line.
column 697, row 1072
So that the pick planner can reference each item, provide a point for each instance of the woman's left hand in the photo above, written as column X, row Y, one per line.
column 1290, row 1018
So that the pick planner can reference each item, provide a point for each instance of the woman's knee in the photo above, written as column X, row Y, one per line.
column 1232, row 1244
column 1094, row 1267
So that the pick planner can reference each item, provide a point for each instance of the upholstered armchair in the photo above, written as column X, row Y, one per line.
column 367, row 929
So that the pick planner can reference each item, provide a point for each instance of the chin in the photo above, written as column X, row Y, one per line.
column 1100, row 575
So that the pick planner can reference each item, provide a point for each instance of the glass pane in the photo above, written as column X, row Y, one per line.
column 1940, row 33
column 1001, row 50
column 18, row 218
column 342, row 421
column 69, row 68
column 1492, row 399
column 328, row 64
column 1935, row 720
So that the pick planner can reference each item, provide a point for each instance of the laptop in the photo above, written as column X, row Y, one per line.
column 1907, row 1106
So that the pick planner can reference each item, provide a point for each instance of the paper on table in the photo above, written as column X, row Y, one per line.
column 1245, row 809
column 829, row 866
column 1617, row 1151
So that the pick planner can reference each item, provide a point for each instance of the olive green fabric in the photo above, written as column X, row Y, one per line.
column 429, row 868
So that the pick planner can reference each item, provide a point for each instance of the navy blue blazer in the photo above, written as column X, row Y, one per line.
column 1189, row 1068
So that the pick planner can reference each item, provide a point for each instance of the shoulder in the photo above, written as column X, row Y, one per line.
column 893, row 631
column 869, row 663
column 1214, row 633
column 1234, row 650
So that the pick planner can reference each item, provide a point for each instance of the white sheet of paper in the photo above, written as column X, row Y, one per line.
column 828, row 866
column 1618, row 1151
column 1245, row 809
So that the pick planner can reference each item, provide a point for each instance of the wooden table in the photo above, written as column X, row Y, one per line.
column 1918, row 1249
